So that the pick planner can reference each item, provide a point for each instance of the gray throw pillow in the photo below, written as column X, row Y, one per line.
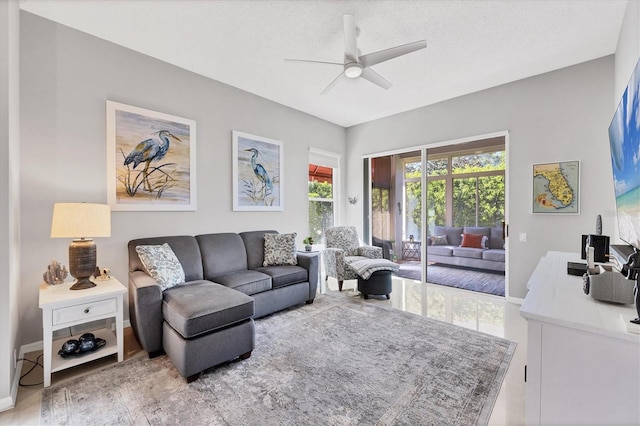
column 162, row 264
column 439, row 240
column 280, row 249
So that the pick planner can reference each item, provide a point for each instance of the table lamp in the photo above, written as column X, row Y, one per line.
column 81, row 221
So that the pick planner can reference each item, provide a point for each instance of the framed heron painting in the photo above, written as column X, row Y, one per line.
column 151, row 160
column 257, row 173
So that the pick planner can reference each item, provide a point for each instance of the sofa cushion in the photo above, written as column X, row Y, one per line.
column 453, row 234
column 185, row 248
column 222, row 253
column 280, row 249
column 254, row 246
column 162, row 264
column 473, row 253
column 482, row 230
column 440, row 250
column 496, row 255
column 285, row 275
column 495, row 239
column 472, row 240
column 201, row 306
column 248, row 281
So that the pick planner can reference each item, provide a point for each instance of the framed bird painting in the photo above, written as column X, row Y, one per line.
column 151, row 160
column 257, row 173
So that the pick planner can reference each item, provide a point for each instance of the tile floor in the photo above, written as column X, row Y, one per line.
column 488, row 314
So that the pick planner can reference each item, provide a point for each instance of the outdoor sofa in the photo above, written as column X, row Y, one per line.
column 446, row 247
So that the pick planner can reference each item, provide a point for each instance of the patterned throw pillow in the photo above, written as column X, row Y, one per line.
column 439, row 240
column 280, row 249
column 162, row 264
column 484, row 242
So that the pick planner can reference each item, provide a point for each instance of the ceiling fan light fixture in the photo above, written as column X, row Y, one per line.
column 353, row 70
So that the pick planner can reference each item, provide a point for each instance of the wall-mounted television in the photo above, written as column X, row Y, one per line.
column 624, row 141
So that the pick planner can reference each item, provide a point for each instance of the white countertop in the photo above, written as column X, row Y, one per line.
column 556, row 297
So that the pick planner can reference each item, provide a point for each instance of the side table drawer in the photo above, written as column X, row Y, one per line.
column 84, row 311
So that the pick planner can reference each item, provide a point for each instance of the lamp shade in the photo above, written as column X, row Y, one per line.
column 79, row 220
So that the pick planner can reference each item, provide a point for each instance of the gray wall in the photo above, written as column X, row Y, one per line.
column 66, row 78
column 9, row 198
column 558, row 116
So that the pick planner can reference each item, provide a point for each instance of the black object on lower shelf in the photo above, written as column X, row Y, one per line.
column 85, row 343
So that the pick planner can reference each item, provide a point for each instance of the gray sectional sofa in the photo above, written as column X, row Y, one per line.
column 491, row 258
column 208, row 319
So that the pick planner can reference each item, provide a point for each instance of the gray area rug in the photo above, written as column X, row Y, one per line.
column 456, row 276
column 338, row 361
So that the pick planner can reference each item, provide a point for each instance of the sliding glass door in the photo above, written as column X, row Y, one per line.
column 412, row 193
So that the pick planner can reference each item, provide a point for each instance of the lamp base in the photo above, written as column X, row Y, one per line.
column 83, row 283
column 82, row 262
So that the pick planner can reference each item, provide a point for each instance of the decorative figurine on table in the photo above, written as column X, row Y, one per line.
column 55, row 273
column 631, row 271
column 102, row 274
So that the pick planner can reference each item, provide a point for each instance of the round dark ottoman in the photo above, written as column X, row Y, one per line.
column 379, row 283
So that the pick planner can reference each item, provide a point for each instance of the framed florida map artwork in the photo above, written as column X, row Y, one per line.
column 556, row 187
column 150, row 159
column 257, row 173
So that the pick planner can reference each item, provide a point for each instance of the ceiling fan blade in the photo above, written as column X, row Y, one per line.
column 333, row 83
column 313, row 62
column 375, row 78
column 350, row 45
column 384, row 55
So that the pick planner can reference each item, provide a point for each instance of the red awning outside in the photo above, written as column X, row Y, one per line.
column 320, row 174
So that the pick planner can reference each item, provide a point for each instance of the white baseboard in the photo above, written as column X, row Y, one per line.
column 30, row 347
column 9, row 402
column 515, row 300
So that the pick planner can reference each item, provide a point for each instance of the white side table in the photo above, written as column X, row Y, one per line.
column 62, row 308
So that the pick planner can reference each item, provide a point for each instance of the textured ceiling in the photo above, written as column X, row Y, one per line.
column 472, row 45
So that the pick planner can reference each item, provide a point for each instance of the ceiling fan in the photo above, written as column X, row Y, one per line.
column 356, row 65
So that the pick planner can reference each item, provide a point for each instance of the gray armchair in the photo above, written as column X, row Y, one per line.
column 342, row 248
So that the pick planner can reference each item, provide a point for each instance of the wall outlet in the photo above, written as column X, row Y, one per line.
column 523, row 237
